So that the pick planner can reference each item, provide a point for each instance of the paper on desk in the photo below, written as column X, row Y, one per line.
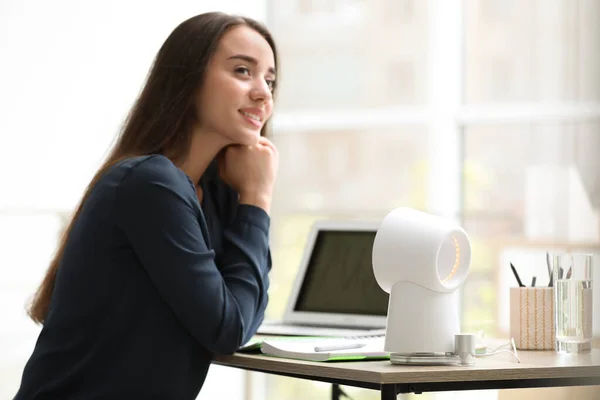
column 305, row 349
column 256, row 342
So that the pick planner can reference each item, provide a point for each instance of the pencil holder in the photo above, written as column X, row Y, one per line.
column 532, row 318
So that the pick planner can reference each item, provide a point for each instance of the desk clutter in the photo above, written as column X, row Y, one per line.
column 319, row 348
column 420, row 261
column 467, row 347
column 327, row 349
column 557, row 316
column 403, row 275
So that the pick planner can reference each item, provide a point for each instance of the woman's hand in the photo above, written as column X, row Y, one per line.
column 251, row 171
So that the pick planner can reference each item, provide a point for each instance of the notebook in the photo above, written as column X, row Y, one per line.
column 327, row 349
column 335, row 292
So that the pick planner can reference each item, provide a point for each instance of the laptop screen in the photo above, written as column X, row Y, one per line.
column 339, row 276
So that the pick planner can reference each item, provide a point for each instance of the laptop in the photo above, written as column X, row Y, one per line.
column 335, row 292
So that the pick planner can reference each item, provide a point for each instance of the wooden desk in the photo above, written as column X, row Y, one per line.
column 502, row 371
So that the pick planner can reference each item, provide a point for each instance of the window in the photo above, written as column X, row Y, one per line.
column 531, row 137
column 544, row 53
column 347, row 61
column 531, row 187
column 328, row 80
column 399, row 10
column 400, row 86
column 338, row 7
column 348, row 171
column 492, row 10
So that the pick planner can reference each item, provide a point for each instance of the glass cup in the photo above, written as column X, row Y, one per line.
column 572, row 280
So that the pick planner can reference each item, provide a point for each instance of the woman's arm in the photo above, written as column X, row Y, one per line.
column 219, row 305
column 227, row 201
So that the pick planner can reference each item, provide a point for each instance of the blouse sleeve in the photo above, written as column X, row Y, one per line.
column 222, row 305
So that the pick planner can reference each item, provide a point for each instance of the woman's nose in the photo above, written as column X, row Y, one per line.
column 261, row 92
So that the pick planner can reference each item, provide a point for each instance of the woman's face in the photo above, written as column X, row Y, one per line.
column 236, row 98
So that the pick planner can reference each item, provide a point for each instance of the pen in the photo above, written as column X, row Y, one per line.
column 550, row 270
column 533, row 281
column 339, row 346
column 516, row 275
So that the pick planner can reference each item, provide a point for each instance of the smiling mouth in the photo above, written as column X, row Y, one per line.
column 252, row 118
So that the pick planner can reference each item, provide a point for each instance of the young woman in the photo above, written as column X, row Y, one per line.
column 166, row 260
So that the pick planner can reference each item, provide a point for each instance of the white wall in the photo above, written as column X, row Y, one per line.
column 69, row 71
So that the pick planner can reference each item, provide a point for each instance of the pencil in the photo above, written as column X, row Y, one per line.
column 516, row 275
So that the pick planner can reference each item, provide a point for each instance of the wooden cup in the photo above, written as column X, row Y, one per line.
column 532, row 318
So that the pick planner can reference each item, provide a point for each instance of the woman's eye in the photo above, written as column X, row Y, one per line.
column 271, row 84
column 242, row 70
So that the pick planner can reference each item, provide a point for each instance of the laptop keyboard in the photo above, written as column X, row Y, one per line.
column 371, row 336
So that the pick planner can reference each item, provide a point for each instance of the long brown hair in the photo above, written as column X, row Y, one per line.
column 161, row 120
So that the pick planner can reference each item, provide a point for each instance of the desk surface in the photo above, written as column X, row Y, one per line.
column 535, row 365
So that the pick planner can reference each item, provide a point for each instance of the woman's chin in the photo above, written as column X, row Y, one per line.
column 243, row 137
column 249, row 139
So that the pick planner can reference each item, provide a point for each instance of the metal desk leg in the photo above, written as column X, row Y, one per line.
column 388, row 391
column 336, row 392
